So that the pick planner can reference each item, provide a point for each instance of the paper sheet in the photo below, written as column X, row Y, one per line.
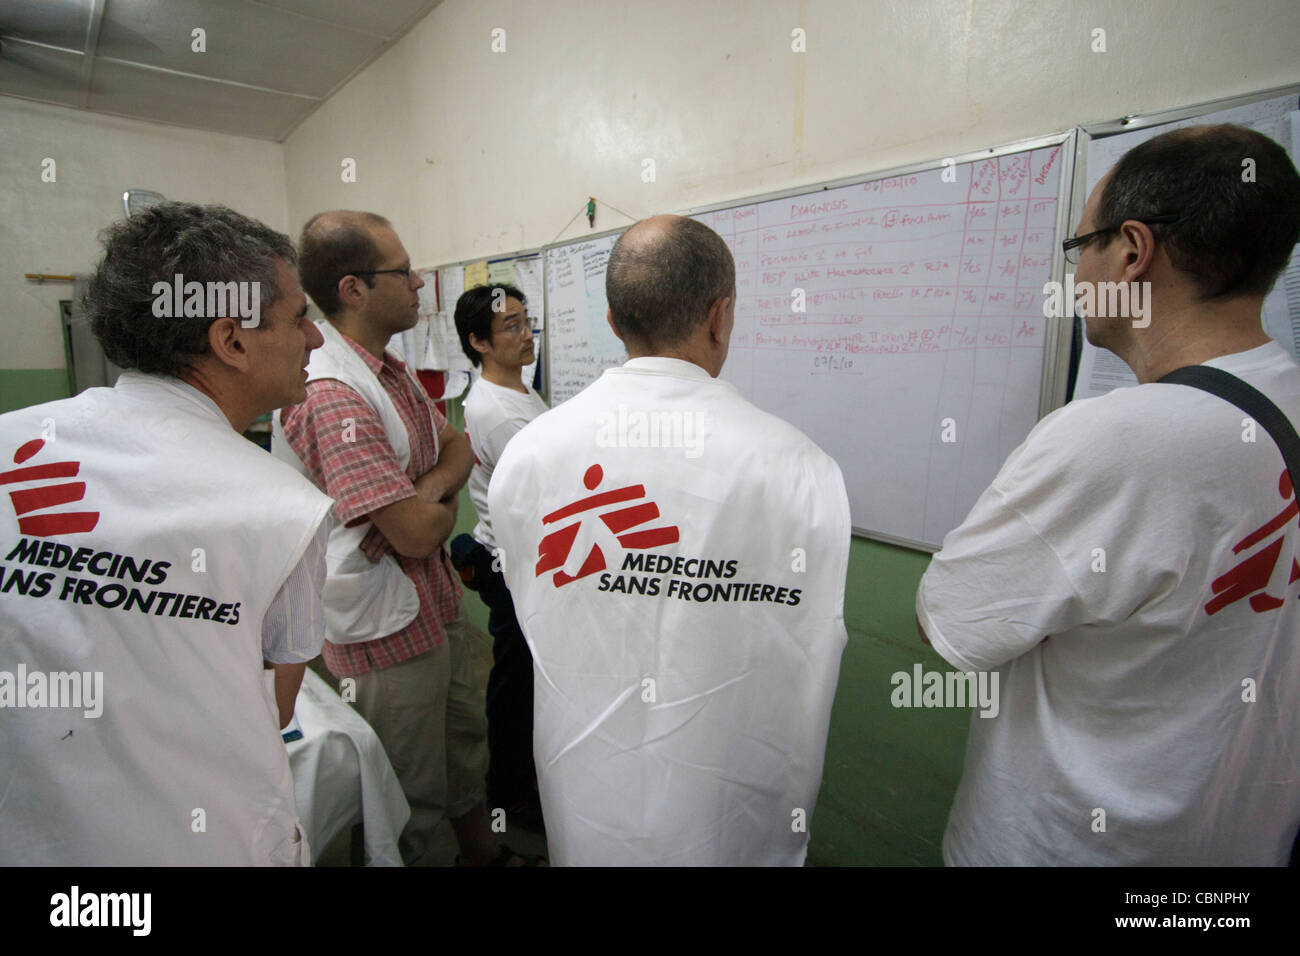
column 476, row 274
column 443, row 351
column 451, row 286
column 501, row 273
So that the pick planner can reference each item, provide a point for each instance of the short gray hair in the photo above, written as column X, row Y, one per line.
column 202, row 243
column 660, row 285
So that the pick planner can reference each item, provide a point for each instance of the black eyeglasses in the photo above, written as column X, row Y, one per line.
column 404, row 273
column 1069, row 245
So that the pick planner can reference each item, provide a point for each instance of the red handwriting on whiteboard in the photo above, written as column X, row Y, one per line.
column 1041, row 178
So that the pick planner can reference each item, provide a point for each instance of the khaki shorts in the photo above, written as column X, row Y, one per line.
column 431, row 720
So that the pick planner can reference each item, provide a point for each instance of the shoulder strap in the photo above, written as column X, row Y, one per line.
column 1251, row 401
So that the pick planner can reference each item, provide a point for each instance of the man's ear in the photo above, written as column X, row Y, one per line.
column 228, row 341
column 478, row 345
column 1139, row 249
column 349, row 289
column 718, row 320
column 609, row 317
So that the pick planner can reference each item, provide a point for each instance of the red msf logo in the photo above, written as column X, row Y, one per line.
column 553, row 551
column 1250, row 578
column 47, row 496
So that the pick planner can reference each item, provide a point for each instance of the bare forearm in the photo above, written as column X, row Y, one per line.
column 288, row 679
column 444, row 520
column 415, row 526
column 432, row 487
column 455, row 461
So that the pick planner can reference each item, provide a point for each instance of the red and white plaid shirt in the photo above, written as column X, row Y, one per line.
column 362, row 475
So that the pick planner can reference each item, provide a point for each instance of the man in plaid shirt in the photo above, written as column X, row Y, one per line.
column 413, row 684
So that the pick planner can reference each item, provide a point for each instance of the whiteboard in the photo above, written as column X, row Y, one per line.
column 1277, row 117
column 580, row 343
column 918, row 360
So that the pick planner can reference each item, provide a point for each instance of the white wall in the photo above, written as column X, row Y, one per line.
column 473, row 153
column 52, row 227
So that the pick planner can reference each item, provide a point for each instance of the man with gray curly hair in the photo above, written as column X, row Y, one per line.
column 149, row 605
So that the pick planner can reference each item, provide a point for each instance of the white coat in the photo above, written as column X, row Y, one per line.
column 677, row 561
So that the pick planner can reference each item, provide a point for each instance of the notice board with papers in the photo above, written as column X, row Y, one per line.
column 443, row 288
column 897, row 320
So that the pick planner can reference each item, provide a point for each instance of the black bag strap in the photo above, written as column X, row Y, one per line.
column 1251, row 401
column 1258, row 406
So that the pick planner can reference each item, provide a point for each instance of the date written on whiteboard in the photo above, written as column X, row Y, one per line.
column 832, row 363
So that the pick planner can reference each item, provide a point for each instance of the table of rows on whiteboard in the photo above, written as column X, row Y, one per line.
column 581, row 343
column 899, row 323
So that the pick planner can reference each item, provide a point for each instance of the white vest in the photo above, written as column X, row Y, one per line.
column 668, row 729
column 184, row 765
column 364, row 600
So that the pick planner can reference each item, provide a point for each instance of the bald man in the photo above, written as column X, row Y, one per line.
column 368, row 436
column 677, row 560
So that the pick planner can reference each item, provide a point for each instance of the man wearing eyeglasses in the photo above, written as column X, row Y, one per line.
column 496, row 335
column 369, row 436
column 1133, row 570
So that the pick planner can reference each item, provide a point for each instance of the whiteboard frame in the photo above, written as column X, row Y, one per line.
column 1056, row 345
column 1126, row 124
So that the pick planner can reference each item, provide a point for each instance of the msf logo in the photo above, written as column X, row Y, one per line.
column 1250, row 579
column 48, row 495
column 617, row 517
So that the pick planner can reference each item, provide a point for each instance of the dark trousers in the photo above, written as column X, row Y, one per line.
column 511, row 777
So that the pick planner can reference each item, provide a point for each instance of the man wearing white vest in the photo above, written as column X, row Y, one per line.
column 1132, row 570
column 677, row 560
column 369, row 437
column 140, row 599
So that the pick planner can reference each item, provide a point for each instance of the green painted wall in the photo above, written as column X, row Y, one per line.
column 890, row 773
column 20, row 387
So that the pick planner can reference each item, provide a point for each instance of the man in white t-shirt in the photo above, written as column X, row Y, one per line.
column 140, row 601
column 1132, row 570
column 492, row 322
column 677, row 560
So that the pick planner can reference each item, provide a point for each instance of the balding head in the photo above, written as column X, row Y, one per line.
column 335, row 244
column 663, row 276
